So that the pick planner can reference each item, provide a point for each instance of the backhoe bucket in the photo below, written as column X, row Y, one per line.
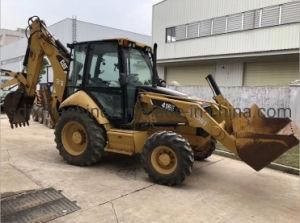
column 261, row 140
column 18, row 106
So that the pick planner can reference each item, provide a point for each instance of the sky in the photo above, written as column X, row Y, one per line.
column 132, row 15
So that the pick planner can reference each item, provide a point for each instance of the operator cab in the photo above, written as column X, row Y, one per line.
column 110, row 72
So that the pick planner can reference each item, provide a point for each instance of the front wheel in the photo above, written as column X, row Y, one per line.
column 79, row 138
column 201, row 154
column 167, row 158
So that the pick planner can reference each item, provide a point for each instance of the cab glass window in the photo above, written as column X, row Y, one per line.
column 103, row 67
column 139, row 69
column 76, row 74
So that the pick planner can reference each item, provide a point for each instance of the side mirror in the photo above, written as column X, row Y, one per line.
column 123, row 79
column 162, row 83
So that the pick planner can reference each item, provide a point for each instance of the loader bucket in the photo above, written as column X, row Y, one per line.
column 261, row 140
column 18, row 106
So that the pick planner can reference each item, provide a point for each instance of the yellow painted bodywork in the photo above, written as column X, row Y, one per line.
column 83, row 100
column 192, row 114
column 126, row 142
column 42, row 45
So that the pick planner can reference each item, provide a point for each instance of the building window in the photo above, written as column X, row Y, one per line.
column 180, row 32
column 258, row 18
column 234, row 22
column 170, row 35
column 249, row 20
column 219, row 25
column 290, row 13
column 205, row 28
column 270, row 16
column 193, row 31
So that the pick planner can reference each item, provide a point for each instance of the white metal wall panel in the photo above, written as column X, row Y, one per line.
column 290, row 13
column 88, row 31
column 161, row 72
column 279, row 73
column 270, row 16
column 15, row 66
column 189, row 74
column 229, row 74
column 176, row 12
column 63, row 31
column 171, row 13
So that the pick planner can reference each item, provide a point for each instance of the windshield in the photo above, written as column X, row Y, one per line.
column 138, row 67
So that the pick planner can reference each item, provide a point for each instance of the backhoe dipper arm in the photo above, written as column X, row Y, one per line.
column 41, row 44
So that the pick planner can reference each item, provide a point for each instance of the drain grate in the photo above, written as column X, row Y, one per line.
column 36, row 206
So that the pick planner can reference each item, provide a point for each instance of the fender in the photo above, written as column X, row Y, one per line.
column 83, row 100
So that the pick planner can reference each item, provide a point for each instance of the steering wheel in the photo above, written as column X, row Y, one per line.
column 134, row 80
column 97, row 82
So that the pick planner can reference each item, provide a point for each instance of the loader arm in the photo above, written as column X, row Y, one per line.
column 197, row 117
column 41, row 44
column 257, row 140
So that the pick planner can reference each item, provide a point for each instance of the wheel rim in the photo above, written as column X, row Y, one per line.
column 164, row 160
column 74, row 138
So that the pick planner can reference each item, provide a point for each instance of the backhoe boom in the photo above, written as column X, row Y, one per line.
column 40, row 44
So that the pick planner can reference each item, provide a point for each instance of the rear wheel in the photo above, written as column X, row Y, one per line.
column 79, row 138
column 34, row 113
column 40, row 115
column 167, row 158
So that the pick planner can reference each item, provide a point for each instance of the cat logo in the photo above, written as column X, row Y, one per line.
column 63, row 63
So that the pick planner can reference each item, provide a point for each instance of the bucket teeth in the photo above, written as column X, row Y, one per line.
column 18, row 108
column 20, row 124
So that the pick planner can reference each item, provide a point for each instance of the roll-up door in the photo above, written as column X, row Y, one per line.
column 271, row 73
column 189, row 74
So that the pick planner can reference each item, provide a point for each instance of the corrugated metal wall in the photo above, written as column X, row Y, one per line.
column 266, row 73
column 229, row 74
column 177, row 12
column 271, row 73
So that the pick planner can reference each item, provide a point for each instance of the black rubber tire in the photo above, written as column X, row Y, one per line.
column 184, row 155
column 34, row 114
column 204, row 154
column 40, row 115
column 96, row 137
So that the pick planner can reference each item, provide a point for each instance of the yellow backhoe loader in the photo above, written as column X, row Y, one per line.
column 107, row 97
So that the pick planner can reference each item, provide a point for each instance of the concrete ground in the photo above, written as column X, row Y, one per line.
column 118, row 190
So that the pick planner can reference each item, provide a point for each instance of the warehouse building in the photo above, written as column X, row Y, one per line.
column 242, row 43
column 9, row 36
column 67, row 31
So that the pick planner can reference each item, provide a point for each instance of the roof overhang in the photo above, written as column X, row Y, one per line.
column 212, row 58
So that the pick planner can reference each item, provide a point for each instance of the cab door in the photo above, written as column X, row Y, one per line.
column 138, row 69
column 101, row 80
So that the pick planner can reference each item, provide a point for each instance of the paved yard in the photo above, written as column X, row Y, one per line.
column 118, row 190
